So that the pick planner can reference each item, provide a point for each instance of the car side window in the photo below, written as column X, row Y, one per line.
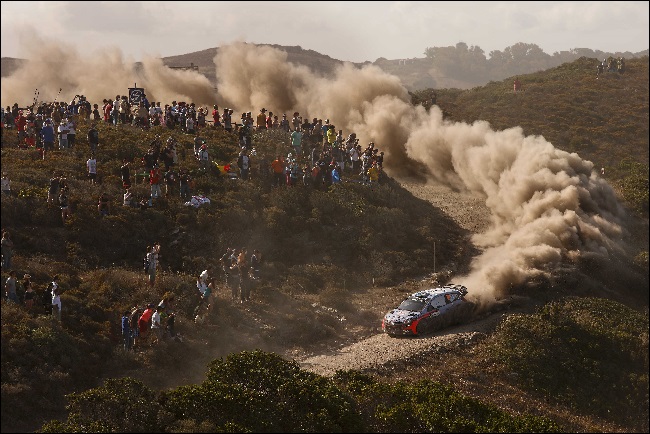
column 438, row 301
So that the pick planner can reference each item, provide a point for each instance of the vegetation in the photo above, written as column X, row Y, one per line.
column 590, row 355
column 319, row 248
column 261, row 392
column 471, row 65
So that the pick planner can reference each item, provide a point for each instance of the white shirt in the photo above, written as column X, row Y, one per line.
column 63, row 127
column 92, row 165
column 155, row 320
column 56, row 299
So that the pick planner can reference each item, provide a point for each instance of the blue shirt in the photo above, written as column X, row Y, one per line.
column 126, row 326
column 47, row 132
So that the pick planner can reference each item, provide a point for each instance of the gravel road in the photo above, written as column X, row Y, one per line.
column 381, row 350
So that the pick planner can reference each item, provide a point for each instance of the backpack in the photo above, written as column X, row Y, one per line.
column 145, row 265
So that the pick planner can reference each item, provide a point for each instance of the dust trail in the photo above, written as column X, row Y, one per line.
column 104, row 74
column 548, row 207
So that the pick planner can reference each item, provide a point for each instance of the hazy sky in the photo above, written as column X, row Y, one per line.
column 352, row 31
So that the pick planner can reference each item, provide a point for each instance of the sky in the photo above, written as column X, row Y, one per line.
column 347, row 31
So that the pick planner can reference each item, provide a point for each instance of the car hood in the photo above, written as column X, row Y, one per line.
column 399, row 315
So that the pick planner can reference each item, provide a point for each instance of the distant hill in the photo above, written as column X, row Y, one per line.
column 414, row 73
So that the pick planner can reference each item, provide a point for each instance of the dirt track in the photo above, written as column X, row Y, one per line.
column 380, row 350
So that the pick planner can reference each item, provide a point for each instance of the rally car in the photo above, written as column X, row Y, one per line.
column 428, row 310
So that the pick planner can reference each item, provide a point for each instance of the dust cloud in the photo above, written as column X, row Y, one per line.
column 56, row 72
column 548, row 207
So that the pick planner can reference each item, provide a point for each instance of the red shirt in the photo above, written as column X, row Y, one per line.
column 154, row 176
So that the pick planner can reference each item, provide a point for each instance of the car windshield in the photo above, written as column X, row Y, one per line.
column 412, row 305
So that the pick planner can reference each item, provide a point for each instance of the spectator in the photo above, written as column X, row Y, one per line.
column 7, row 247
column 185, row 180
column 72, row 133
column 244, row 285
column 104, row 205
column 56, row 302
column 63, row 134
column 278, row 171
column 516, row 85
column 29, row 292
column 93, row 138
column 127, row 339
column 6, row 184
column 169, row 326
column 226, row 263
column 154, row 181
column 153, row 256
column 215, row 117
column 91, row 165
column 204, row 157
column 233, row 275
column 96, row 115
column 144, row 322
column 125, row 173
column 156, row 326
column 261, row 120
column 133, row 326
column 128, row 198
column 255, row 264
column 10, row 287
column 63, row 204
column 170, row 182
column 296, row 139
column 53, row 191
column 284, row 123
column 48, row 136
column 244, row 164
column 296, row 121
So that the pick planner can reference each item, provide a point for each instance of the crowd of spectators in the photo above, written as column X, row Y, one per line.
column 317, row 156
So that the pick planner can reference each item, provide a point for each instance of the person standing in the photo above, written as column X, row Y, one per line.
column 244, row 164
column 10, row 287
column 154, row 181
column 278, row 171
column 156, row 326
column 93, row 138
column 244, row 284
column 48, row 136
column 53, row 191
column 63, row 204
column 62, row 130
column 29, row 292
column 152, row 256
column 185, row 180
column 125, row 173
column 126, row 330
column 91, row 165
column 296, row 142
column 56, row 302
column 7, row 247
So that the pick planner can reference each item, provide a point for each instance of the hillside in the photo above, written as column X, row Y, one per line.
column 333, row 262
